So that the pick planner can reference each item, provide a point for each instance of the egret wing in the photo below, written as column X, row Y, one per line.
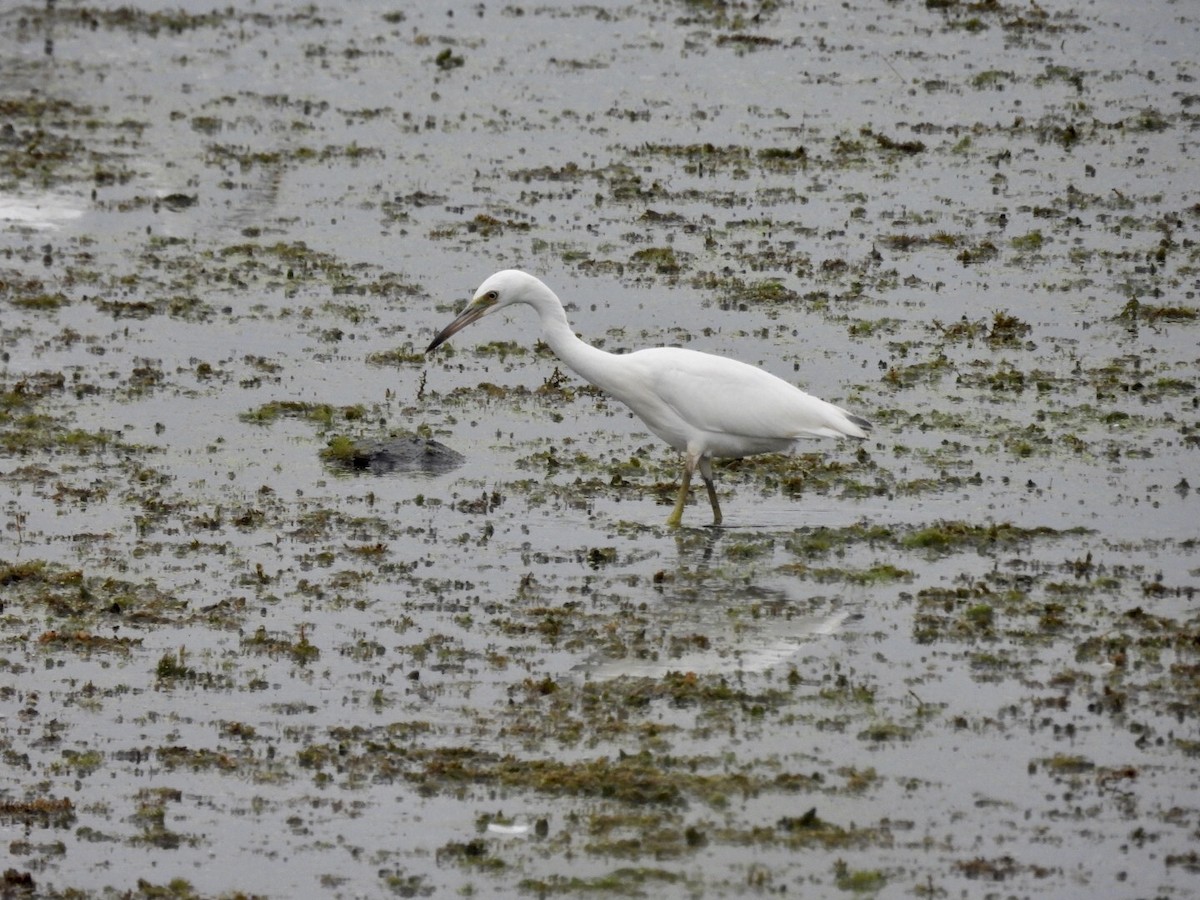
column 722, row 396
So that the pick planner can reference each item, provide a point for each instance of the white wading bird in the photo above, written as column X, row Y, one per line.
column 700, row 404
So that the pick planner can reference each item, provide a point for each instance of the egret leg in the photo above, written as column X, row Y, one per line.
column 676, row 517
column 707, row 475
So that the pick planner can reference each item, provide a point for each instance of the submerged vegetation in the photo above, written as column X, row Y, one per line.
column 227, row 634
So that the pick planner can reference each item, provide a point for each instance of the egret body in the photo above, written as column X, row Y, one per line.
column 700, row 404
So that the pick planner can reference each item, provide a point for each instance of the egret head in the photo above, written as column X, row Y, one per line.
column 500, row 290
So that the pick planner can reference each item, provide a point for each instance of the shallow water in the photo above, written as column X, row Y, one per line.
column 960, row 658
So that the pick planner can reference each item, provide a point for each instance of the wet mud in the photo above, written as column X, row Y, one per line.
column 960, row 659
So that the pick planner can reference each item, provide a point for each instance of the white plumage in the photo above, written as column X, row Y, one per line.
column 704, row 406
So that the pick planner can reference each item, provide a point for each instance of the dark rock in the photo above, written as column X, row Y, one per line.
column 408, row 453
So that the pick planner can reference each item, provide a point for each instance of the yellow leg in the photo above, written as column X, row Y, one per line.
column 676, row 517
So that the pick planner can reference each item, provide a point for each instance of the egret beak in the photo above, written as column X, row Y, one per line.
column 466, row 317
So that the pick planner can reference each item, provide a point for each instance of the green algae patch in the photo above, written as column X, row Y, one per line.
column 938, row 538
column 46, row 812
column 323, row 415
column 662, row 260
column 626, row 881
column 638, row 779
column 86, row 642
column 858, row 881
column 341, row 450
column 880, row 573
column 405, row 355
column 87, row 602
column 1139, row 311
column 40, row 301
column 946, row 536
column 301, row 650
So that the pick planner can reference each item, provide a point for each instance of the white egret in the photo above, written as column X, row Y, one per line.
column 700, row 404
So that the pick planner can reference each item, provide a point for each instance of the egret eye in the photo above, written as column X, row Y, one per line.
column 492, row 296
